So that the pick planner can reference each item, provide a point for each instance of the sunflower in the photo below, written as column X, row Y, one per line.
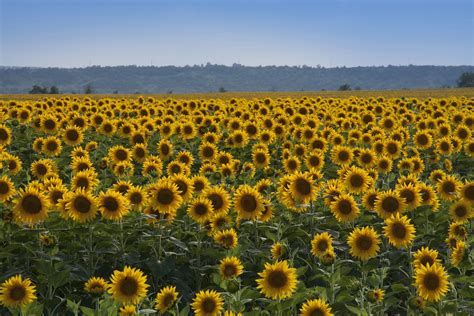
column 315, row 160
column 107, row 128
column 458, row 252
column 431, row 281
column 219, row 221
column 137, row 197
column 321, row 243
column 344, row 208
column 263, row 186
column 315, row 307
column 185, row 157
column 200, row 183
column 444, row 146
column 86, row 180
column 230, row 267
column 176, row 167
column 166, row 298
column 38, row 144
column 367, row 158
column 128, row 310
column 81, row 205
column 207, row 151
column 261, row 158
column 357, row 180
column 139, row 152
column 389, row 203
column 364, row 243
column 31, row 206
column 467, row 192
column 277, row 280
column 341, row 155
column 410, row 194
column 376, row 296
column 448, row 188
column 248, row 202
column 152, row 167
column 277, row 250
column 165, row 197
column 184, row 184
column 207, row 303
column 81, row 164
column 461, row 211
column 302, row 188
column 200, row 209
column 392, row 148
column 291, row 164
column 17, row 292
column 226, row 238
column 219, row 198
column 52, row 146
column 423, row 140
column 5, row 135
column 369, row 198
column 399, row 231
column 73, row 136
column 267, row 212
column 7, row 189
column 113, row 205
column 96, row 285
column 128, row 286
column 118, row 154
column 41, row 168
column 425, row 256
column 384, row 164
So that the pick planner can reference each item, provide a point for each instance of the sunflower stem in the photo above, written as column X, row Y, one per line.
column 90, row 253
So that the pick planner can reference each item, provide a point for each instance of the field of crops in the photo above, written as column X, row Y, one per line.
column 298, row 205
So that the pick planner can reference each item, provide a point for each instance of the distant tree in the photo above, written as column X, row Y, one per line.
column 38, row 90
column 53, row 90
column 115, row 92
column 357, row 88
column 221, row 89
column 466, row 80
column 169, row 92
column 344, row 87
column 88, row 89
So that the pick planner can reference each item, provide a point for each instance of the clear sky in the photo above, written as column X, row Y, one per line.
column 77, row 33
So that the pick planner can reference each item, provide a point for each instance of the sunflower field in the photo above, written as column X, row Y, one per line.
column 265, row 206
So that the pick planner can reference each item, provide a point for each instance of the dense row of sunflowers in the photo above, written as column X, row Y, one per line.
column 310, row 206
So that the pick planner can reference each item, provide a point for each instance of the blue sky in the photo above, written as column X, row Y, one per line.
column 74, row 33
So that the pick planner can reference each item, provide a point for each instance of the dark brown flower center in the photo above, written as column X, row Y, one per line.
column 431, row 281
column 364, row 243
column 82, row 204
column 277, row 279
column 128, row 286
column 17, row 293
column 165, row 196
column 31, row 204
column 248, row 203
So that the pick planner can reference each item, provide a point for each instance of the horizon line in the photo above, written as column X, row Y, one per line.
column 208, row 64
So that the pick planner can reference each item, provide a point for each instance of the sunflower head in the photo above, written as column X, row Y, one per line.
column 128, row 286
column 277, row 280
column 207, row 303
column 230, row 267
column 315, row 307
column 166, row 298
column 364, row 243
column 96, row 285
column 431, row 281
column 17, row 292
